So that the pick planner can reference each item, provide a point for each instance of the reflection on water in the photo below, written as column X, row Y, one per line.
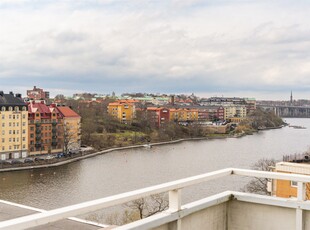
column 127, row 170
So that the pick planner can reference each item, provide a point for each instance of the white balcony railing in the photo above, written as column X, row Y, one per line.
column 176, row 212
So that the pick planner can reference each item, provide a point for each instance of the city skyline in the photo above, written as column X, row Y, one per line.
column 230, row 48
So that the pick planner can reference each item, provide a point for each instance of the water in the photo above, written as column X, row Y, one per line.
column 127, row 170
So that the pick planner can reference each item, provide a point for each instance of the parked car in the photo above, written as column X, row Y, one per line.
column 59, row 155
column 49, row 157
column 39, row 159
column 3, row 162
column 28, row 160
column 16, row 161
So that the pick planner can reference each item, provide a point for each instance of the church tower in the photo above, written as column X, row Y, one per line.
column 291, row 97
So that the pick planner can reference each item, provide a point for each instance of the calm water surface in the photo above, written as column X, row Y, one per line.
column 127, row 170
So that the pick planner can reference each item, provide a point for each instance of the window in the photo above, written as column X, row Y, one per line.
column 3, row 140
column 294, row 183
column 3, row 132
column 13, row 116
column 16, row 109
column 24, row 109
column 24, row 131
column 24, row 138
column 3, row 108
column 3, row 148
column 10, row 139
column 24, row 116
column 10, row 116
column 24, row 123
column 24, row 146
column 10, row 108
column 3, row 124
column 3, row 116
column 10, row 124
column 10, row 131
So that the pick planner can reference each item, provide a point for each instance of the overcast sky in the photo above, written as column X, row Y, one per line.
column 222, row 47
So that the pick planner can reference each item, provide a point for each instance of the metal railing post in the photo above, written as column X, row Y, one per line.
column 301, row 196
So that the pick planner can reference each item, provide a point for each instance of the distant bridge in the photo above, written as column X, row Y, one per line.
column 288, row 111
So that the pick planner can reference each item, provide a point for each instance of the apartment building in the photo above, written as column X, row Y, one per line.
column 13, row 126
column 234, row 111
column 286, row 188
column 38, row 94
column 122, row 110
column 183, row 114
column 45, row 129
column 158, row 116
column 71, row 128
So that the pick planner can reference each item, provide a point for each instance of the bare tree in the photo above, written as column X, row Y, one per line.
column 149, row 206
column 70, row 137
column 259, row 185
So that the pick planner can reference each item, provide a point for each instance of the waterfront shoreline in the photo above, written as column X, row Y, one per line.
column 89, row 155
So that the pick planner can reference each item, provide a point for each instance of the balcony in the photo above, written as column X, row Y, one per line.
column 228, row 210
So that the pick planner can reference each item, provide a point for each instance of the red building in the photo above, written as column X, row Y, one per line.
column 37, row 94
column 45, row 129
column 158, row 116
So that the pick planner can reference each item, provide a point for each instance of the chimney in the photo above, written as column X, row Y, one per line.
column 34, row 87
column 172, row 99
column 1, row 93
column 11, row 93
column 18, row 95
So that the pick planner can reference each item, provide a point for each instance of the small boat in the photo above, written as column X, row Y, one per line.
column 148, row 146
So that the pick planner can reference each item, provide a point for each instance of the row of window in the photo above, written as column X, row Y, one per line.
column 13, row 139
column 46, row 141
column 42, row 128
column 16, row 108
column 12, row 132
column 44, row 135
column 13, row 116
column 14, row 124
column 15, row 147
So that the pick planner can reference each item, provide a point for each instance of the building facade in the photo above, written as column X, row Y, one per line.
column 45, row 129
column 122, row 110
column 286, row 188
column 71, row 129
column 158, row 116
column 13, row 126
column 37, row 94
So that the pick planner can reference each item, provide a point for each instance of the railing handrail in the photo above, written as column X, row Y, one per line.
column 94, row 205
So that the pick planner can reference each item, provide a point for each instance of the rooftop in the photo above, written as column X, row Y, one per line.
column 67, row 112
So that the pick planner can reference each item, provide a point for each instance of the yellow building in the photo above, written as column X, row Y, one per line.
column 234, row 111
column 183, row 114
column 13, row 126
column 71, row 129
column 122, row 110
column 288, row 189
